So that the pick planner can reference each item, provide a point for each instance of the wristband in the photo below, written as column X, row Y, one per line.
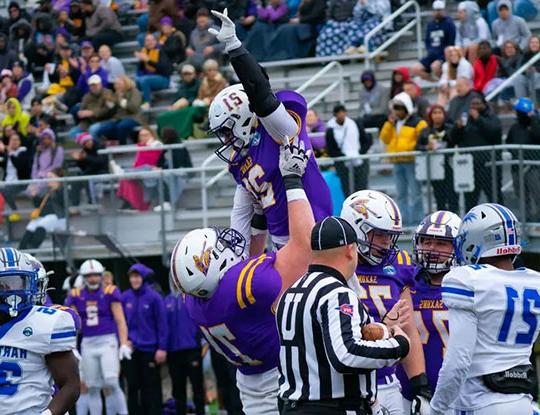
column 296, row 194
column 258, row 222
column 293, row 181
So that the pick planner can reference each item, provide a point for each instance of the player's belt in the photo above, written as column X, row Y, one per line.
column 361, row 406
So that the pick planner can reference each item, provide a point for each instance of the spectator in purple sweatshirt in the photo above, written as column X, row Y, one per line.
column 184, row 355
column 148, row 335
column 94, row 68
column 268, row 18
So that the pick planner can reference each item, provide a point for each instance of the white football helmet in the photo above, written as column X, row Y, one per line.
column 232, row 121
column 370, row 210
column 43, row 279
column 91, row 267
column 443, row 225
column 487, row 230
column 201, row 258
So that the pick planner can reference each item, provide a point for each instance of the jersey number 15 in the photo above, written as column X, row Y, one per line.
column 529, row 297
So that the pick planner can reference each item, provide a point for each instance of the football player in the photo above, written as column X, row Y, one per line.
column 433, row 252
column 232, row 296
column 385, row 275
column 251, row 121
column 493, row 315
column 36, row 344
column 102, row 318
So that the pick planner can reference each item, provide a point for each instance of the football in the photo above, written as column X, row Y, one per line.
column 375, row 331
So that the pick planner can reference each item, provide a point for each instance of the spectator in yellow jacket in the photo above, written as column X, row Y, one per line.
column 400, row 133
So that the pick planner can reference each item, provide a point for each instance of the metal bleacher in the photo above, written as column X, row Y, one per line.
column 154, row 233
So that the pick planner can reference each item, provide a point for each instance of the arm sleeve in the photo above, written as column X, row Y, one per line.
column 458, row 358
column 340, row 319
column 280, row 124
column 162, row 324
column 64, row 333
column 255, row 81
column 242, row 212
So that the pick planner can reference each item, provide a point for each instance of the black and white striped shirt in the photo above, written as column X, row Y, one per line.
column 322, row 354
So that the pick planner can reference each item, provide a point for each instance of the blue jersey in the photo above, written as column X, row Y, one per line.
column 238, row 320
column 259, row 172
column 381, row 287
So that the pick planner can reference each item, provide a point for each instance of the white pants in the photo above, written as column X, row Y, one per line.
column 389, row 396
column 522, row 406
column 259, row 393
column 407, row 408
column 50, row 223
column 100, row 363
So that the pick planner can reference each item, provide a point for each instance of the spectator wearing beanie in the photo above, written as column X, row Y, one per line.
column 48, row 157
column 89, row 162
column 102, row 25
column 436, row 136
column 148, row 332
column 172, row 41
column 25, row 84
column 153, row 71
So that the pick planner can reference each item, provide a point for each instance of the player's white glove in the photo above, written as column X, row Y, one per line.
column 124, row 352
column 420, row 406
column 293, row 158
column 227, row 32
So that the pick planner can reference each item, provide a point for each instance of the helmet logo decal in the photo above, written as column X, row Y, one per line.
column 203, row 262
column 361, row 207
column 469, row 217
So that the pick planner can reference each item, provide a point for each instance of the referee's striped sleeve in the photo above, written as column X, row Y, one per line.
column 340, row 318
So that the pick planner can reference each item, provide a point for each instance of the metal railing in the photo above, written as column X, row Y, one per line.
column 337, row 83
column 396, row 35
column 508, row 174
column 508, row 81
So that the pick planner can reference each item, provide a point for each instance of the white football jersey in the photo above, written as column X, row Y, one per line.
column 25, row 381
column 506, row 305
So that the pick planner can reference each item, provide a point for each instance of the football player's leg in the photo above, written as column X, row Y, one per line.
column 390, row 397
column 115, row 401
column 92, row 373
column 259, row 393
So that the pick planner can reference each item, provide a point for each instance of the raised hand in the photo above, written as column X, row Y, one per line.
column 293, row 158
column 227, row 32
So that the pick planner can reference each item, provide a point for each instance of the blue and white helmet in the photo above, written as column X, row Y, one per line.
column 43, row 280
column 18, row 281
column 487, row 230
column 443, row 225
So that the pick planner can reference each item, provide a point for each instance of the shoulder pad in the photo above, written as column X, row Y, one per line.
column 458, row 288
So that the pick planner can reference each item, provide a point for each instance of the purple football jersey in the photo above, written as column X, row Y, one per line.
column 238, row 320
column 431, row 317
column 381, row 288
column 259, row 172
column 94, row 308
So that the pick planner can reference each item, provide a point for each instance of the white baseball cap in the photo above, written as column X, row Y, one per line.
column 94, row 80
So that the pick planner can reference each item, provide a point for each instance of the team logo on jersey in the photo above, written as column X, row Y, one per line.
column 203, row 262
column 28, row 331
column 256, row 139
column 346, row 309
column 389, row 270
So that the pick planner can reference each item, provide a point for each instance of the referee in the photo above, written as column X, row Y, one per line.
column 326, row 367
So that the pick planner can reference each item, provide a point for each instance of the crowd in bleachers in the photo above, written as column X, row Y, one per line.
column 59, row 59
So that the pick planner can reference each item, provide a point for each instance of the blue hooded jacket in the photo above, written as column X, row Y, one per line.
column 183, row 333
column 145, row 314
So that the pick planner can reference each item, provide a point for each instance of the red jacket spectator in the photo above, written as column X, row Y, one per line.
column 485, row 67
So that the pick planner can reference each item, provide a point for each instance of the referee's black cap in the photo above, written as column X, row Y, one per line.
column 332, row 232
